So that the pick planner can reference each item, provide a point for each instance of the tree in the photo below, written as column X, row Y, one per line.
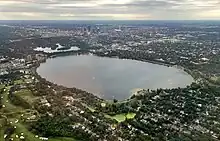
column 115, row 100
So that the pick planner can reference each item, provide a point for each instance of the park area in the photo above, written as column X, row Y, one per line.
column 121, row 117
column 13, row 118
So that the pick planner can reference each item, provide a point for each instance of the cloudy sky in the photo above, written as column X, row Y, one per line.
column 109, row 9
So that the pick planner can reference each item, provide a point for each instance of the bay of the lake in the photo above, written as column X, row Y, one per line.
column 111, row 78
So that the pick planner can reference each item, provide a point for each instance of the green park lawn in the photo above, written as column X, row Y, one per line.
column 20, row 128
column 19, row 81
column 62, row 139
column 88, row 107
column 26, row 95
column 121, row 117
column 13, row 112
column 2, row 86
column 8, row 106
column 2, row 122
column 130, row 115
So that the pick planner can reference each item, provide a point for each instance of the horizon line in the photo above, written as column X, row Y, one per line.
column 112, row 20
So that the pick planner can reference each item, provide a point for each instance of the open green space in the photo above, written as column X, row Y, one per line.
column 62, row 139
column 130, row 115
column 2, row 86
column 88, row 107
column 28, row 80
column 24, row 92
column 121, row 117
column 13, row 115
column 8, row 107
column 26, row 95
column 215, row 79
column 19, row 81
column 2, row 122
column 20, row 128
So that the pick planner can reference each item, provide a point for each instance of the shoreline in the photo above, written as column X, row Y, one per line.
column 180, row 68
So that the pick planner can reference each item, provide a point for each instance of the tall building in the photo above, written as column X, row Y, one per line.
column 29, row 58
column 89, row 28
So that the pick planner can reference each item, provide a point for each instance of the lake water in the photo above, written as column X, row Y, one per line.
column 111, row 77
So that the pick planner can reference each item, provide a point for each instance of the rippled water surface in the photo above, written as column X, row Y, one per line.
column 111, row 77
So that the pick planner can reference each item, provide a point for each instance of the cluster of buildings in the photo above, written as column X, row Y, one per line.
column 182, row 110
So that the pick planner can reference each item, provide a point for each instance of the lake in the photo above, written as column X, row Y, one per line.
column 111, row 78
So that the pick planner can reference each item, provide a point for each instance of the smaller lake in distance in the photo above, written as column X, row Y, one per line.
column 111, row 78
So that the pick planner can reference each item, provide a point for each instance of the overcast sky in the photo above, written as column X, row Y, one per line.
column 109, row 9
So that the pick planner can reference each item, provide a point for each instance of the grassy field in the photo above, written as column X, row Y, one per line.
column 10, row 111
column 88, row 107
column 20, row 128
column 121, row 117
column 8, row 106
column 13, row 114
column 215, row 79
column 130, row 115
column 2, row 86
column 2, row 122
column 26, row 95
column 62, row 139
column 19, row 81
